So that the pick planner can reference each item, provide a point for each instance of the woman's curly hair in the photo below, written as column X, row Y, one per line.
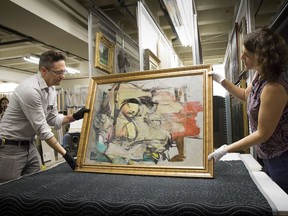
column 271, row 52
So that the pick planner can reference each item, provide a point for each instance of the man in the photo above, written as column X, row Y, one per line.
column 31, row 111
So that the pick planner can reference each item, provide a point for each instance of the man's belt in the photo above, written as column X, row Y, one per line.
column 14, row 142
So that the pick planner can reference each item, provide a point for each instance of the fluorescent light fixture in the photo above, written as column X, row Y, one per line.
column 181, row 14
column 32, row 59
column 72, row 70
column 35, row 60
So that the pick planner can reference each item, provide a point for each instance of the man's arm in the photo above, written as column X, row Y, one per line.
column 75, row 116
column 53, row 143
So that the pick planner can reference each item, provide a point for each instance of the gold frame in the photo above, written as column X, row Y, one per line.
column 234, row 55
column 105, row 64
column 151, row 61
column 96, row 93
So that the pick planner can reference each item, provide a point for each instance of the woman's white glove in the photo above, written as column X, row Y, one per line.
column 216, row 76
column 218, row 153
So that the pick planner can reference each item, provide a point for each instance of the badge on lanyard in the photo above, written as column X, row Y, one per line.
column 51, row 99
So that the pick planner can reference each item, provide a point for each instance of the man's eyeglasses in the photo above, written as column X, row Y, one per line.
column 58, row 73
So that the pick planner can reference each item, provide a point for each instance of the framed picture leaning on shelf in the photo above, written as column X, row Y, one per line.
column 104, row 53
column 151, row 61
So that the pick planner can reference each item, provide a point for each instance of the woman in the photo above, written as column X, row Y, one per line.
column 265, row 53
column 3, row 105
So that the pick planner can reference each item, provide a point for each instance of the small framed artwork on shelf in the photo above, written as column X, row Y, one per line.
column 156, row 122
column 104, row 53
column 122, row 60
column 151, row 61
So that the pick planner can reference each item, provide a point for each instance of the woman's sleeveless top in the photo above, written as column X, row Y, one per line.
column 278, row 142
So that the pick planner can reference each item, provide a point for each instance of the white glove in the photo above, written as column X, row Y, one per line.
column 216, row 76
column 217, row 154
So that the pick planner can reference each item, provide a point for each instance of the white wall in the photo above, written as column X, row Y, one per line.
column 157, row 41
column 75, row 82
column 10, row 75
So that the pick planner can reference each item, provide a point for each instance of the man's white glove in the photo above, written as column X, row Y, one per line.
column 217, row 154
column 216, row 76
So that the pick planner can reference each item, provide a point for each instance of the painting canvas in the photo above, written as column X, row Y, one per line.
column 235, row 54
column 122, row 60
column 149, row 123
column 104, row 53
column 242, row 29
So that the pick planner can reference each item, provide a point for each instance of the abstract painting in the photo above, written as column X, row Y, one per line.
column 149, row 123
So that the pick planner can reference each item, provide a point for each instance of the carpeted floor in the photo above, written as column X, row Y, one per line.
column 59, row 191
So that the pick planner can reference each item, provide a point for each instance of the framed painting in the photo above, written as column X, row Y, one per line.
column 151, row 61
column 242, row 29
column 235, row 54
column 239, row 117
column 104, row 53
column 156, row 122
column 122, row 60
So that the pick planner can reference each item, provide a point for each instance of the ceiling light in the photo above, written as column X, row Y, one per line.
column 72, row 70
column 35, row 60
column 181, row 14
column 32, row 59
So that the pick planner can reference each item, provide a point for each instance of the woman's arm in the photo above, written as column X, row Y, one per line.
column 273, row 101
column 240, row 93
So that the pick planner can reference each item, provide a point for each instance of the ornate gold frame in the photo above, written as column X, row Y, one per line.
column 151, row 61
column 100, row 87
column 104, row 53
